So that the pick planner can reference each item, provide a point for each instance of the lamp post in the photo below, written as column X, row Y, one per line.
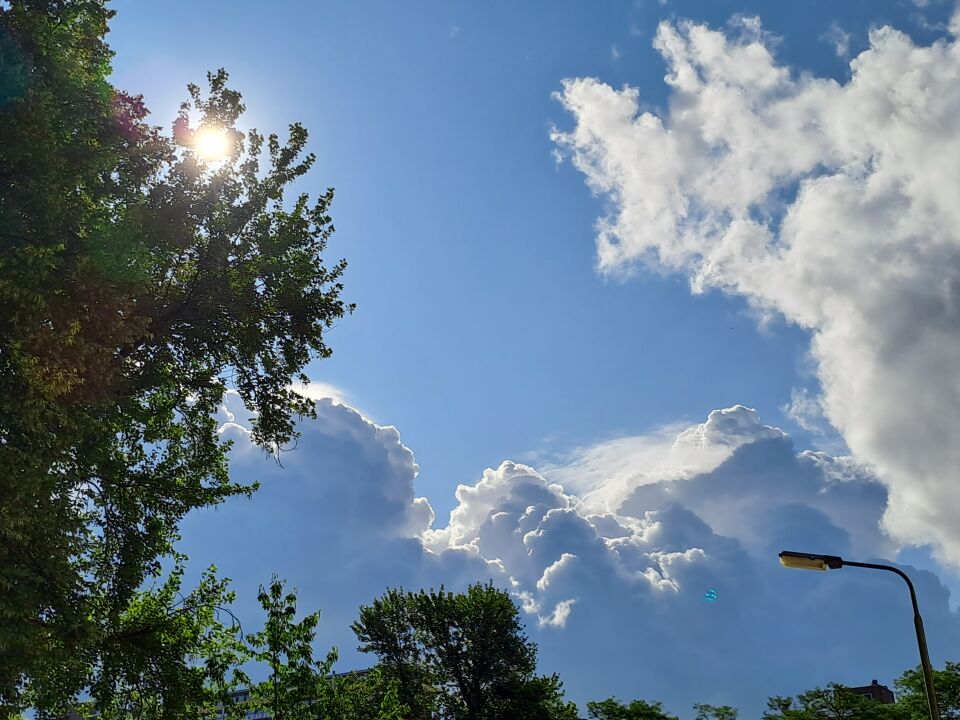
column 808, row 561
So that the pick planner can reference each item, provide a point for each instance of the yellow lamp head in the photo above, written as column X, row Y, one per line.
column 809, row 561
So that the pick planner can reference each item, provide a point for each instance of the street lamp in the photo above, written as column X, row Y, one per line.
column 809, row 561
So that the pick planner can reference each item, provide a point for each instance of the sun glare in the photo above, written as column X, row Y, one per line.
column 212, row 143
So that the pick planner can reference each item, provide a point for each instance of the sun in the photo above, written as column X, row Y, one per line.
column 212, row 143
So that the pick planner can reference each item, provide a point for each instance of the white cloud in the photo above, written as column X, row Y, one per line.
column 320, row 391
column 228, row 426
column 806, row 411
column 838, row 38
column 635, row 578
column 511, row 491
column 834, row 205
column 341, row 520
column 558, row 618
column 605, row 474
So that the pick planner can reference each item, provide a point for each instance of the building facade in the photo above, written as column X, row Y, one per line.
column 875, row 691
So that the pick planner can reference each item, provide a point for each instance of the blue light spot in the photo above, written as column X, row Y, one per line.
column 711, row 595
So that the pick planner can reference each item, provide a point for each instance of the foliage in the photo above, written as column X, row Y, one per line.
column 172, row 664
column 189, row 663
column 285, row 646
column 175, row 656
column 612, row 709
column 912, row 696
column 389, row 628
column 833, row 702
column 714, row 712
column 137, row 281
column 366, row 695
column 299, row 687
column 462, row 656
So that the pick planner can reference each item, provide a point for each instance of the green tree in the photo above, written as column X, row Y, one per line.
column 463, row 656
column 190, row 661
column 912, row 696
column 390, row 629
column 367, row 695
column 714, row 712
column 612, row 709
column 137, row 282
column 834, row 702
column 172, row 664
column 535, row 698
column 780, row 707
column 285, row 647
column 300, row 687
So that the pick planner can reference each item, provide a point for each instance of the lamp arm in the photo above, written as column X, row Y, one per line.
column 889, row 568
column 921, row 635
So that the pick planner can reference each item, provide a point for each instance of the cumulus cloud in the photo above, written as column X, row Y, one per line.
column 337, row 515
column 615, row 582
column 320, row 391
column 604, row 474
column 611, row 583
column 831, row 204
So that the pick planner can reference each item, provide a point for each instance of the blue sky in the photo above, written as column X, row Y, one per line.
column 471, row 253
column 491, row 326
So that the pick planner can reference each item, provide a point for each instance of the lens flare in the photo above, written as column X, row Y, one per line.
column 711, row 595
column 212, row 143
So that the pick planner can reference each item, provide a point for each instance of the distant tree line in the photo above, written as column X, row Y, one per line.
column 440, row 656
column 833, row 702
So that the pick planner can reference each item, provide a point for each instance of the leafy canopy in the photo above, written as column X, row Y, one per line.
column 460, row 656
column 912, row 697
column 285, row 647
column 705, row 711
column 179, row 656
column 613, row 709
column 834, row 702
column 137, row 282
column 300, row 687
column 194, row 661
